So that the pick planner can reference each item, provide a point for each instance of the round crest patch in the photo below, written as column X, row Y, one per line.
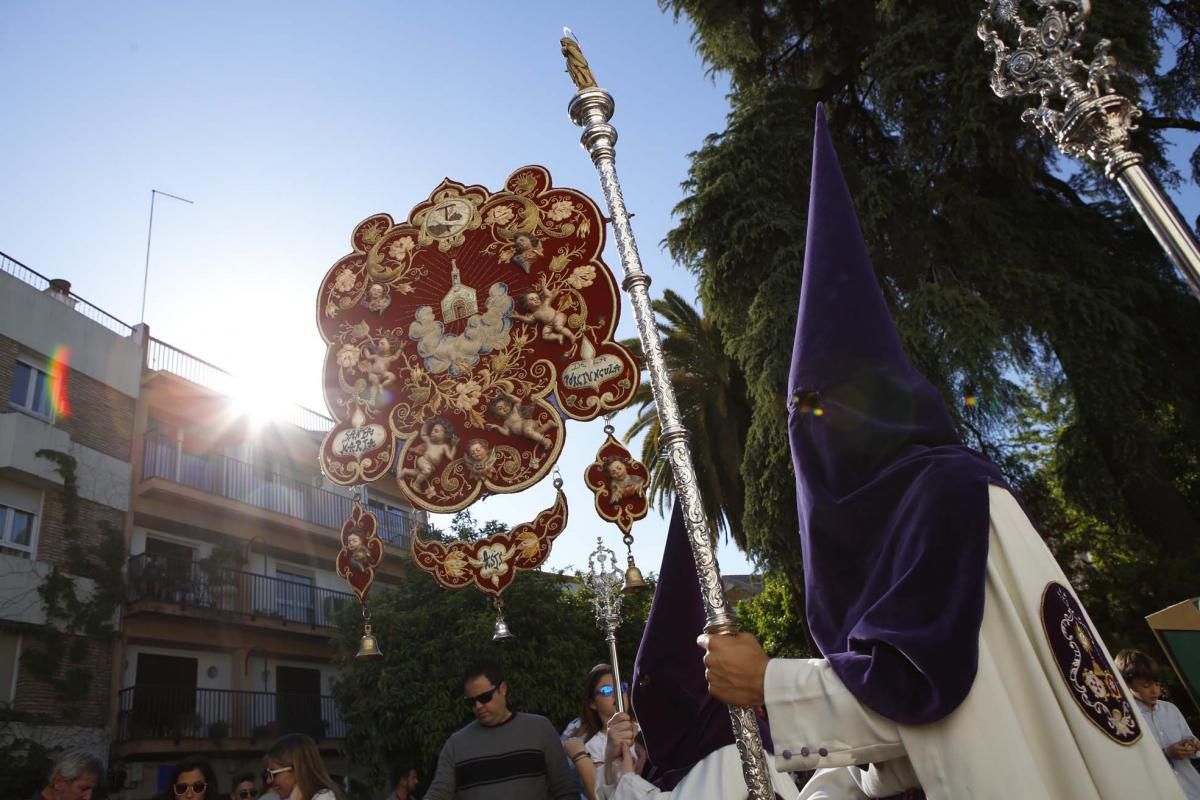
column 1084, row 666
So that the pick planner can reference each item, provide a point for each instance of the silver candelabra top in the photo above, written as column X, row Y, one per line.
column 605, row 580
column 1079, row 106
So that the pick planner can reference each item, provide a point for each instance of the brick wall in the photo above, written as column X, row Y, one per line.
column 38, row 697
column 52, row 545
column 101, row 417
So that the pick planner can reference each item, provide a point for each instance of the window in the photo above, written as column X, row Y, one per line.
column 16, row 531
column 395, row 524
column 31, row 390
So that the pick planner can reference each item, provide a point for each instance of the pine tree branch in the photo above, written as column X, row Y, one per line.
column 1062, row 187
column 1186, row 123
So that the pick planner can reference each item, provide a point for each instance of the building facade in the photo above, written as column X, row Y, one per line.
column 229, row 531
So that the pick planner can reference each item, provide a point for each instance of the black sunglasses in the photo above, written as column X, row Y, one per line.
column 198, row 787
column 250, row 793
column 607, row 691
column 483, row 698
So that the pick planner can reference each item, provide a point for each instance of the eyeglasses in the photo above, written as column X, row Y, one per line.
column 269, row 774
column 483, row 698
column 607, row 690
column 248, row 793
column 198, row 787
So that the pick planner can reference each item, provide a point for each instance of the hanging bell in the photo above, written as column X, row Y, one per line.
column 368, row 647
column 502, row 631
column 633, row 578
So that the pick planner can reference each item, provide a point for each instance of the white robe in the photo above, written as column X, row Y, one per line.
column 1020, row 732
column 717, row 776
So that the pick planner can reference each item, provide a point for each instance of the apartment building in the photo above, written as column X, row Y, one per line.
column 231, row 533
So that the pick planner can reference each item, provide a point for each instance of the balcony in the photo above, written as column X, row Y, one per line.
column 160, row 583
column 158, row 716
column 236, row 480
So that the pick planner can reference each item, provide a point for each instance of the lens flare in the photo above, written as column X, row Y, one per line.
column 60, row 370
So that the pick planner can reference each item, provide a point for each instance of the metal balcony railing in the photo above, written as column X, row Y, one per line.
column 202, row 586
column 39, row 281
column 161, row 356
column 237, row 480
column 174, row 712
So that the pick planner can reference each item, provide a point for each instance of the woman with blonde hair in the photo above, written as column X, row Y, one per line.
column 295, row 771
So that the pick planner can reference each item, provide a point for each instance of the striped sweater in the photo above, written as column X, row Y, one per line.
column 519, row 759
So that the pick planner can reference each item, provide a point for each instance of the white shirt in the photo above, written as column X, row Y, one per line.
column 1167, row 722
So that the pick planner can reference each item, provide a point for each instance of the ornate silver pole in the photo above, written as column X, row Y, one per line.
column 606, row 582
column 1081, row 111
column 591, row 108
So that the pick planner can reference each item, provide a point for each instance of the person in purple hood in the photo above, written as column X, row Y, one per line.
column 954, row 650
column 687, row 733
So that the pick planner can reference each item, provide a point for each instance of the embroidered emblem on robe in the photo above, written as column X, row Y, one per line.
column 1084, row 666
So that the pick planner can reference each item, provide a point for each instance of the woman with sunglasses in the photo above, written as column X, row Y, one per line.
column 597, row 706
column 244, row 787
column 193, row 779
column 295, row 771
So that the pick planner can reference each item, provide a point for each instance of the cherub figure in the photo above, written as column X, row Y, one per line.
column 622, row 483
column 517, row 420
column 378, row 367
column 377, row 299
column 480, row 458
column 527, row 249
column 538, row 305
column 438, row 446
column 360, row 556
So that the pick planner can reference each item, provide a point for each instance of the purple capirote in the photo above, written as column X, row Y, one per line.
column 893, row 508
column 681, row 722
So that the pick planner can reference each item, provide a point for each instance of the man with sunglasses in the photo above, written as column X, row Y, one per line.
column 501, row 754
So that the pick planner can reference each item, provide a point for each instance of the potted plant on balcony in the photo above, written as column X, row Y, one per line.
column 218, row 731
column 219, row 573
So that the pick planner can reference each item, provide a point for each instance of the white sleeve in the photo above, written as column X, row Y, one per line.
column 717, row 776
column 832, row 784
column 816, row 722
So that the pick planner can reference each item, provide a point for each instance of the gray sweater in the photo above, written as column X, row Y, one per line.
column 519, row 759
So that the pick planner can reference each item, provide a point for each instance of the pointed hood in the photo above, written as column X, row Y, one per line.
column 682, row 723
column 893, row 507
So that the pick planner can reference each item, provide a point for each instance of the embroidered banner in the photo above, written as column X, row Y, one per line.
column 1084, row 666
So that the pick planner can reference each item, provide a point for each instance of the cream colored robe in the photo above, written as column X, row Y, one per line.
column 1020, row 734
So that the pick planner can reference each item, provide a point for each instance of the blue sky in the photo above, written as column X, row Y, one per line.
column 287, row 123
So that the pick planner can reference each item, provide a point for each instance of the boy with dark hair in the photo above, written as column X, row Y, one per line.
column 1142, row 673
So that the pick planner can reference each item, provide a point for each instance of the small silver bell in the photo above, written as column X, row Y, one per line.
column 502, row 631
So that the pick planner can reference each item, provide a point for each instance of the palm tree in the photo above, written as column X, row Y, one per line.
column 711, row 391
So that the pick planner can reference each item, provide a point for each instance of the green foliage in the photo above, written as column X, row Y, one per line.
column 775, row 619
column 73, row 616
column 24, row 763
column 1000, row 270
column 410, row 700
column 711, row 392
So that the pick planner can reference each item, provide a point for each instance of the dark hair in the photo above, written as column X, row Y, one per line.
column 242, row 777
column 301, row 754
column 589, row 719
column 1136, row 665
column 196, row 762
column 485, row 667
column 399, row 770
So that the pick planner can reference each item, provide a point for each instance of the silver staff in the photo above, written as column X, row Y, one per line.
column 605, row 580
column 1080, row 109
column 591, row 108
